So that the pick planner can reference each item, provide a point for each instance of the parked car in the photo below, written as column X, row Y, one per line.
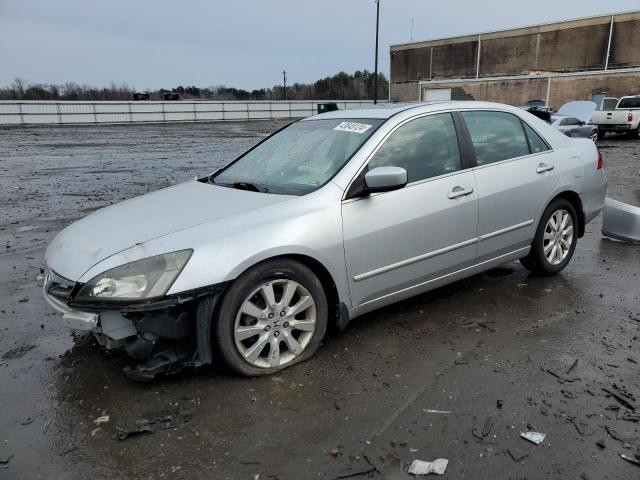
column 625, row 118
column 571, row 119
column 331, row 217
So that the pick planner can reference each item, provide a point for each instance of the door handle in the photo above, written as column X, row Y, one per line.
column 459, row 192
column 543, row 167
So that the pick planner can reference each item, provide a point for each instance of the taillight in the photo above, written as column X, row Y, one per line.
column 630, row 117
column 600, row 160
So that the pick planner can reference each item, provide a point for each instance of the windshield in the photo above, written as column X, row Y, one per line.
column 300, row 158
column 631, row 102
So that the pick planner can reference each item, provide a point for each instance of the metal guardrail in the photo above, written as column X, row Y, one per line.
column 35, row 112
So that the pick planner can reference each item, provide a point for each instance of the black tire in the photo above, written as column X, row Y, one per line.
column 536, row 261
column 238, row 292
column 601, row 135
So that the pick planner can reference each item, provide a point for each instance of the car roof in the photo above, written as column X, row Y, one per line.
column 388, row 109
column 381, row 110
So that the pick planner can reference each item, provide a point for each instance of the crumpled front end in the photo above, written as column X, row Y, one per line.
column 163, row 335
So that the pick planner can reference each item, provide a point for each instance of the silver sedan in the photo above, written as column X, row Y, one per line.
column 329, row 218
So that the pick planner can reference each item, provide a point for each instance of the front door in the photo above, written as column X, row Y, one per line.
column 400, row 239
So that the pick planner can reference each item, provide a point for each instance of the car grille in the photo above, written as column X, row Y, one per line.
column 57, row 286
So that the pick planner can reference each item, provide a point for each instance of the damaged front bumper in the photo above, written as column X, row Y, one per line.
column 621, row 221
column 165, row 335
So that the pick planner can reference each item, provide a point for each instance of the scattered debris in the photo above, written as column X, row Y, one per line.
column 28, row 421
column 488, row 423
column 628, row 415
column 337, row 403
column 600, row 443
column 625, row 441
column 560, row 378
column 144, row 425
column 534, row 437
column 572, row 366
column 567, row 394
column 102, row 419
column 5, row 463
column 499, row 404
column 141, row 426
column 578, row 429
column 515, row 457
column 620, row 399
column 488, row 327
column 419, row 467
column 428, row 410
column 635, row 459
column 335, row 452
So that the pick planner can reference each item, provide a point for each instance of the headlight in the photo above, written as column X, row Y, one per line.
column 147, row 278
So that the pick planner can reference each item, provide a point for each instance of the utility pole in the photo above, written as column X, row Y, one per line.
column 412, row 29
column 375, row 80
column 284, row 78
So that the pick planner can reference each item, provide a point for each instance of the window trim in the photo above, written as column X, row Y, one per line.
column 541, row 137
column 354, row 189
column 524, row 130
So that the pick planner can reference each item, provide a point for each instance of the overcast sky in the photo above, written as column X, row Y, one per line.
column 241, row 43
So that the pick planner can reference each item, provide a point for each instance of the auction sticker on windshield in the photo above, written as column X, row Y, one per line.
column 353, row 127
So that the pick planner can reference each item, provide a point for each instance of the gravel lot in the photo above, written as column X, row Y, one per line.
column 496, row 352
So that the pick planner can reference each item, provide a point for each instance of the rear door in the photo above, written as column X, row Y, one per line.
column 515, row 175
column 398, row 240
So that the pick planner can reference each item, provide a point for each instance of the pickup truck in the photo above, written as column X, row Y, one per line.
column 625, row 118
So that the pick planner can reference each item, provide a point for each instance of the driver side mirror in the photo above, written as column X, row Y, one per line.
column 385, row 179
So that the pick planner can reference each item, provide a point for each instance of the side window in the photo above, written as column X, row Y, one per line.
column 425, row 148
column 496, row 136
column 537, row 144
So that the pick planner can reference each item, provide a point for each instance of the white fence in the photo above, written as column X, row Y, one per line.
column 50, row 112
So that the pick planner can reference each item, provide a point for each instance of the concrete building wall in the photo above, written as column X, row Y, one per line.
column 572, row 46
column 625, row 44
column 518, row 91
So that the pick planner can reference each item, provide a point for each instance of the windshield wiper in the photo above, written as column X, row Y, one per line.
column 243, row 186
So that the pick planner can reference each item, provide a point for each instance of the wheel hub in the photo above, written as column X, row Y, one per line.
column 558, row 237
column 275, row 323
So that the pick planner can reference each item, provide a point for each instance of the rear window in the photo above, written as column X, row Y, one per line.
column 629, row 103
column 496, row 136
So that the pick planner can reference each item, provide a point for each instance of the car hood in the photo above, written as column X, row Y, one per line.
column 113, row 229
column 582, row 110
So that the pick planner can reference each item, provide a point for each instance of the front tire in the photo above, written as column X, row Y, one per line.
column 555, row 239
column 273, row 316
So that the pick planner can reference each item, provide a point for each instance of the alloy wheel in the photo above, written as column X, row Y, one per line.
column 275, row 323
column 558, row 237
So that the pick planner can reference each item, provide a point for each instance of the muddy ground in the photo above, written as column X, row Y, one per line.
column 498, row 353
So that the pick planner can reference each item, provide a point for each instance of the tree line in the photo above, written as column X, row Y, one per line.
column 342, row 86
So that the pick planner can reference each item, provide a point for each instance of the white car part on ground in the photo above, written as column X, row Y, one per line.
column 621, row 221
column 419, row 467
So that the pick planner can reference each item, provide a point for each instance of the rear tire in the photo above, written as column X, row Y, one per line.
column 555, row 239
column 601, row 135
column 272, row 317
